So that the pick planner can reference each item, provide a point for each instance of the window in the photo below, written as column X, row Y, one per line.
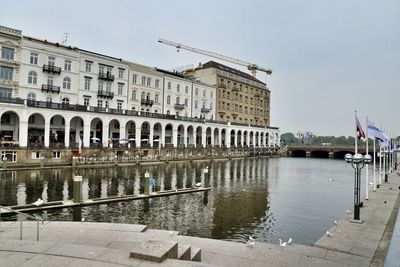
column 31, row 97
column 121, row 73
column 65, row 101
column 177, row 100
column 56, row 154
column 49, row 99
column 186, row 102
column 204, row 93
column 101, row 85
column 143, row 96
column 67, row 65
column 32, row 77
column 6, row 73
column 120, row 88
column 51, row 61
column 35, row 155
column 212, row 94
column 50, row 80
column 109, row 70
column 67, row 83
column 106, row 104
column 148, row 96
column 134, row 78
column 148, row 81
column 5, row 93
column 101, row 69
column 186, row 89
column 196, row 92
column 204, row 104
column 143, row 80
column 157, row 83
column 119, row 105
column 168, row 100
column 178, row 88
column 86, row 101
column 169, row 85
column 195, row 104
column 87, row 83
column 99, row 103
column 34, row 58
column 88, row 66
column 108, row 86
column 9, row 155
column 156, row 98
column 134, row 95
column 7, row 53
column 211, row 105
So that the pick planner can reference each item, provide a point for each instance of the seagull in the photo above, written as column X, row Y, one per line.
column 251, row 242
column 38, row 202
column 290, row 241
column 348, row 212
column 335, row 222
column 282, row 244
column 198, row 184
column 370, row 183
column 171, row 233
column 328, row 234
column 83, row 219
column 330, row 180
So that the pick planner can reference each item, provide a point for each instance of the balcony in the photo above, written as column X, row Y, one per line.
column 179, row 106
column 106, row 76
column 235, row 89
column 48, row 88
column 51, row 69
column 147, row 102
column 105, row 94
column 205, row 110
column 11, row 100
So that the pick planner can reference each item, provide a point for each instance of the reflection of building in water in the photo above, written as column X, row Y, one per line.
column 44, row 192
column 65, row 190
column 85, row 188
column 21, row 194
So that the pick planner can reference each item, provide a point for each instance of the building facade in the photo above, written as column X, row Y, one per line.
column 241, row 98
column 66, row 98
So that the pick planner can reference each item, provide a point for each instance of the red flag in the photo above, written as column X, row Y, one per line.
column 359, row 130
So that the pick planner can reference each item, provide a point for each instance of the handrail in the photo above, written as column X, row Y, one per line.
column 27, row 215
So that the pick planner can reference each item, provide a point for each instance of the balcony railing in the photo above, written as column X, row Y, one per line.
column 105, row 94
column 51, row 69
column 179, row 106
column 146, row 102
column 106, row 76
column 205, row 110
column 48, row 88
column 11, row 100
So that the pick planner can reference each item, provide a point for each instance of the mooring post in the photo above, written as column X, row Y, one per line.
column 206, row 177
column 77, row 189
column 73, row 162
column 147, row 183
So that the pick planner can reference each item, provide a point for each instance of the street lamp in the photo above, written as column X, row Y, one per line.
column 357, row 162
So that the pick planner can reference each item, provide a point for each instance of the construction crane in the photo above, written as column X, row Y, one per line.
column 252, row 67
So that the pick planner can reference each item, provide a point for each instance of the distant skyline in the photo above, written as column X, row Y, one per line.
column 329, row 58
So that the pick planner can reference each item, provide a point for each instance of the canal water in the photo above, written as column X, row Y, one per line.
column 267, row 198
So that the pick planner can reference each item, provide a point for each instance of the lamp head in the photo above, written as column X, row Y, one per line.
column 348, row 157
column 146, row 174
column 358, row 158
column 367, row 158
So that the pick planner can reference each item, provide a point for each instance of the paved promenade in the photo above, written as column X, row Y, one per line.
column 102, row 244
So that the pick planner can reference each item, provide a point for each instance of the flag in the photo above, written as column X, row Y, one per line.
column 359, row 130
column 383, row 139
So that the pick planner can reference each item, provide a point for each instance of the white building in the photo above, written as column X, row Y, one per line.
column 146, row 89
column 187, row 97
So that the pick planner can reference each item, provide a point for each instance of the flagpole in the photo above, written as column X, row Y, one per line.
column 374, row 166
column 380, row 165
column 355, row 134
column 366, row 168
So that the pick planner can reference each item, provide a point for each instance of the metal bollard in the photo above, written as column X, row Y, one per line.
column 147, row 183
column 206, row 177
column 77, row 189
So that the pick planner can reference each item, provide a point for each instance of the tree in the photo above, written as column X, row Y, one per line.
column 288, row 138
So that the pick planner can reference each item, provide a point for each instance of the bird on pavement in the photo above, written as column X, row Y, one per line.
column 282, row 244
column 251, row 242
column 328, row 234
column 38, row 202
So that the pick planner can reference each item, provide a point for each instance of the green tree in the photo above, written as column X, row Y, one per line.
column 288, row 138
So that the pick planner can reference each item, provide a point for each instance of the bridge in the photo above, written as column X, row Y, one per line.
column 324, row 151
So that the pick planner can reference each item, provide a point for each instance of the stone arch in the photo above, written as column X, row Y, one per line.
column 76, row 132
column 145, row 134
column 199, row 132
column 208, row 136
column 9, row 128
column 239, row 138
column 157, row 133
column 190, row 136
column 181, row 132
column 223, row 137
column 216, row 137
column 57, row 131
column 168, row 135
column 96, row 132
column 36, row 130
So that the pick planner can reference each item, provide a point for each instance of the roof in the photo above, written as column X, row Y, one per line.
column 213, row 64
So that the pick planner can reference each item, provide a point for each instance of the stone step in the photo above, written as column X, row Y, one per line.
column 195, row 254
column 155, row 250
column 184, row 252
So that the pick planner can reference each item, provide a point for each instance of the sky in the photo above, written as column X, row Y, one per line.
column 329, row 58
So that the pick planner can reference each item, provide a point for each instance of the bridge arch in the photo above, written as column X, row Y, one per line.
column 341, row 154
column 322, row 154
column 298, row 154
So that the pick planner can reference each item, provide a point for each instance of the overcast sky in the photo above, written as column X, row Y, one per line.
column 329, row 57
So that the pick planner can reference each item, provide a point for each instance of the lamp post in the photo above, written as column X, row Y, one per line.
column 357, row 162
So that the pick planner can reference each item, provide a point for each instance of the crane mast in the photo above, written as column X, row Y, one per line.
column 250, row 66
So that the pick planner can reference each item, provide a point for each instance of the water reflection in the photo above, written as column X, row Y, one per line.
column 266, row 198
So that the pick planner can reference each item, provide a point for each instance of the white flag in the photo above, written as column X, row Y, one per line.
column 374, row 131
